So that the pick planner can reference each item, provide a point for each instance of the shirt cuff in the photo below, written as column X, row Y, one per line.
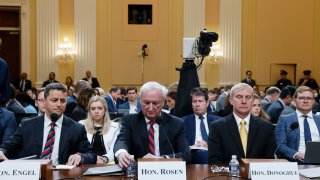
column 119, row 152
column 294, row 156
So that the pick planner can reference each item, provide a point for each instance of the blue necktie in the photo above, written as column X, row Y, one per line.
column 307, row 133
column 203, row 129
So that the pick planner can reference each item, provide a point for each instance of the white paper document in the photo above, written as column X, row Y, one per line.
column 310, row 172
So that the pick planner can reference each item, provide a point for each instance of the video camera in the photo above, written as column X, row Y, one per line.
column 205, row 41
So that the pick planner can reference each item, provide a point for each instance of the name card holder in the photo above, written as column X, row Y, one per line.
column 263, row 169
column 161, row 168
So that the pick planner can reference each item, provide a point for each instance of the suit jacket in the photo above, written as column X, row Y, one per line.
column 71, row 105
column 28, row 140
column 8, row 124
column 4, row 82
column 133, row 136
column 275, row 110
column 312, row 83
column 282, row 83
column 110, row 104
column 290, row 147
column 127, row 106
column 95, row 82
column 79, row 113
column 190, row 126
column 221, row 101
column 265, row 103
column 48, row 82
column 224, row 140
column 251, row 83
column 27, row 84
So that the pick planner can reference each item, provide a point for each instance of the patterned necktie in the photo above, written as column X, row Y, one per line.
column 203, row 129
column 244, row 135
column 151, row 137
column 47, row 151
column 307, row 133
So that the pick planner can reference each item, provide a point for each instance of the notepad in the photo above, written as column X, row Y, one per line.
column 64, row 167
column 310, row 172
column 104, row 170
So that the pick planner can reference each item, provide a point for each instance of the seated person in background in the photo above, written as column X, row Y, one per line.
column 196, row 126
column 171, row 101
column 101, row 91
column 213, row 96
column 151, row 133
column 294, row 147
column 111, row 99
column 123, row 96
column 248, row 79
column 272, row 94
column 81, row 111
column 23, row 83
column 34, row 137
column 25, row 100
column 101, row 131
column 52, row 79
column 240, row 133
column 8, row 124
column 40, row 102
column 285, row 98
column 69, row 82
column 283, row 81
column 257, row 110
column 14, row 106
column 132, row 104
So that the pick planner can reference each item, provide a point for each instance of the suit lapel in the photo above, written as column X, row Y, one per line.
column 144, row 133
column 234, row 131
column 39, row 135
column 193, row 128
column 164, row 128
column 253, row 129
column 63, row 136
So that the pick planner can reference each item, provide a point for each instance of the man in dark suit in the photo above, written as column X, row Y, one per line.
column 34, row 137
column 52, row 79
column 283, row 81
column 240, row 133
column 23, row 84
column 308, row 81
column 8, row 124
column 197, row 126
column 294, row 147
column 151, row 133
column 279, row 105
column 132, row 104
column 248, row 79
column 4, row 80
column 272, row 94
column 93, row 81
column 111, row 98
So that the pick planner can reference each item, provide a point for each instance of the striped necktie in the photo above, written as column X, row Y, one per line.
column 47, row 151
column 151, row 137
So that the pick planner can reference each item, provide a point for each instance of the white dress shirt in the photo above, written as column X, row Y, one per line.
column 238, row 119
column 313, row 129
column 198, row 130
column 47, row 126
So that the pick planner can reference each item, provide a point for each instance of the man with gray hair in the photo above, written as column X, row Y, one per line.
column 4, row 80
column 151, row 133
column 272, row 94
column 240, row 133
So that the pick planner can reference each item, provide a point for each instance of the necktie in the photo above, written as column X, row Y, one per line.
column 22, row 85
column 203, row 129
column 244, row 135
column 47, row 151
column 151, row 137
column 307, row 133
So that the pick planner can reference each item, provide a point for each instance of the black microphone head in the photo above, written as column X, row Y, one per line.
column 294, row 125
column 54, row 117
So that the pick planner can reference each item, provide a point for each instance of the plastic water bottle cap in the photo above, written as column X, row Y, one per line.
column 131, row 156
column 234, row 156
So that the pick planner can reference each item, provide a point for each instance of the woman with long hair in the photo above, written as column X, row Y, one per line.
column 256, row 109
column 101, row 131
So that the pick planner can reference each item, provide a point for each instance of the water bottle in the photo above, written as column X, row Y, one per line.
column 132, row 167
column 234, row 166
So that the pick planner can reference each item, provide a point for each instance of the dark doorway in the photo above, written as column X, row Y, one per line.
column 10, row 35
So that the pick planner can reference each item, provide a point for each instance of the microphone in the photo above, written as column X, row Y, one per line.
column 158, row 121
column 293, row 126
column 54, row 117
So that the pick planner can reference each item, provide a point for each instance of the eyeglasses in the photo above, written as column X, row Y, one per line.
column 302, row 98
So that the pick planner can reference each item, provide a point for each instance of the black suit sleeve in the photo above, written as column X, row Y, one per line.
column 85, row 148
column 11, row 147
column 123, row 140
column 215, row 151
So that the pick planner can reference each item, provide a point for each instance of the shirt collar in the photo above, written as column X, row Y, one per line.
column 309, row 114
column 238, row 119
column 204, row 116
column 47, row 121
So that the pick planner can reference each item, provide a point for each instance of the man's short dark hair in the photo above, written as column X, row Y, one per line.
column 287, row 91
column 114, row 89
column 54, row 86
column 248, row 72
column 199, row 91
column 130, row 88
column 273, row 90
column 81, row 84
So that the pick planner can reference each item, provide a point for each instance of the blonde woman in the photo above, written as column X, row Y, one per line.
column 101, row 131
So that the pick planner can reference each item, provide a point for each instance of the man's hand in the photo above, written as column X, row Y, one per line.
column 74, row 160
column 299, row 156
column 2, row 156
column 124, row 159
column 102, row 160
column 201, row 143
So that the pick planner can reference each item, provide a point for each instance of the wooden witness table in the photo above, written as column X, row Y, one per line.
column 194, row 172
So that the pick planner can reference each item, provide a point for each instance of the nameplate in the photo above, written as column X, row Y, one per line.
column 159, row 170
column 19, row 170
column 274, row 170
